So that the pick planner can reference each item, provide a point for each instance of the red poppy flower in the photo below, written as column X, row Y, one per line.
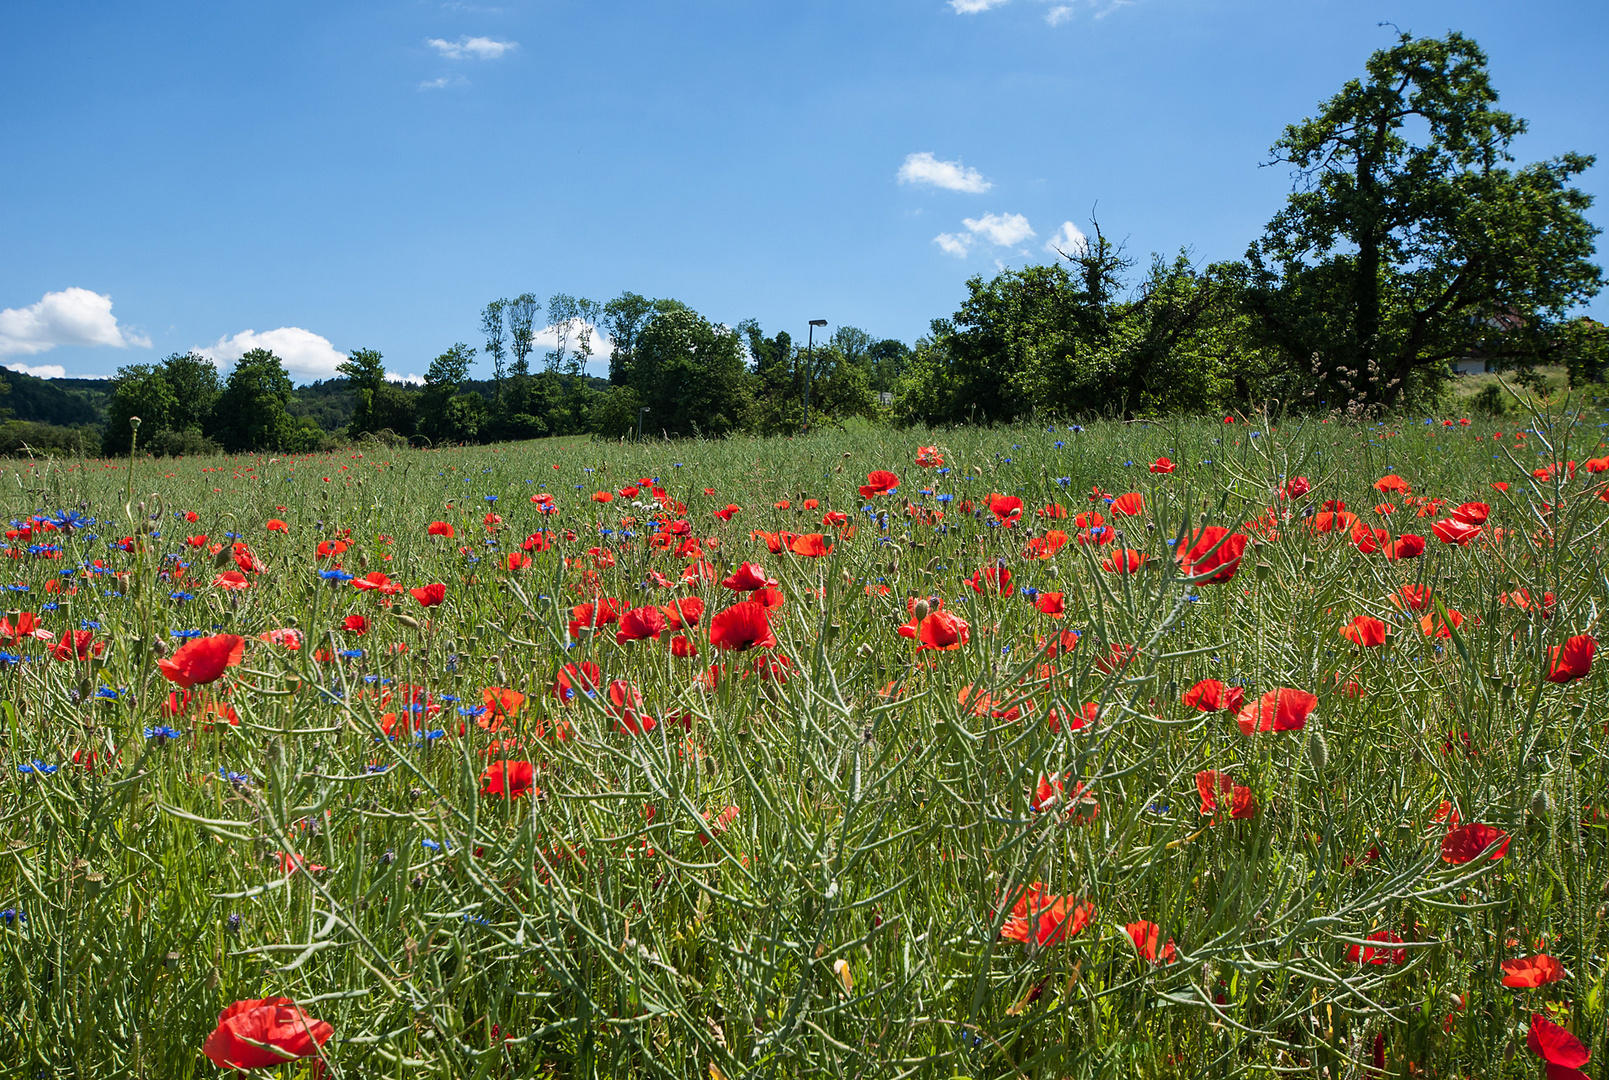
column 430, row 595
column 509, row 779
column 1368, row 540
column 1453, row 531
column 232, row 580
column 203, row 660
column 518, row 560
column 584, row 677
column 1046, row 918
column 1392, row 482
column 1050, row 603
column 264, row 1033
column 745, row 625
column 682, row 648
column 1529, row 972
column 928, row 457
column 1116, row 658
column 377, row 581
column 877, row 483
column 1124, row 561
column 1295, row 487
column 1412, row 597
column 1211, row 555
column 1130, row 505
column 746, row 578
column 639, row 623
column 78, row 644
column 1572, row 660
column 1145, row 935
column 728, row 512
column 603, row 496
column 276, row 525
column 997, row 578
column 440, row 528
column 1162, row 465
column 1278, row 710
column 1433, row 626
column 1210, row 695
column 1366, row 631
column 1217, row 788
column 1406, row 546
column 1370, row 954
column 1044, row 547
column 1468, row 842
column 718, row 824
column 593, row 616
column 1472, row 513
column 683, row 613
column 1007, row 508
column 940, row 630
column 355, row 624
column 1054, row 511
column 769, row 597
column 1561, row 1050
column 811, row 545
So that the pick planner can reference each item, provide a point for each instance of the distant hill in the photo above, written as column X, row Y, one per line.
column 63, row 402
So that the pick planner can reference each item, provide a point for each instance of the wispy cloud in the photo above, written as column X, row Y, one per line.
column 1061, row 10
column 472, row 48
column 70, row 317
column 924, row 168
column 304, row 352
column 441, row 83
column 1069, row 240
column 1000, row 230
column 40, row 371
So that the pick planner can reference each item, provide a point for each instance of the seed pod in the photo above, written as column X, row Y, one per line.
column 1263, row 570
column 1318, row 751
column 920, row 610
column 1539, row 803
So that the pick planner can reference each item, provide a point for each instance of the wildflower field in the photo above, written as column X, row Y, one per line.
column 1211, row 749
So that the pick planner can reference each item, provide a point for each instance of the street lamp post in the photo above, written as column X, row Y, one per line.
column 810, row 363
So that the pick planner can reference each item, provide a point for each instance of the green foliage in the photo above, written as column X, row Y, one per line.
column 20, row 438
column 62, row 402
column 1061, row 341
column 175, row 401
column 448, row 414
column 1408, row 242
column 1582, row 346
column 251, row 413
column 691, row 375
column 615, row 414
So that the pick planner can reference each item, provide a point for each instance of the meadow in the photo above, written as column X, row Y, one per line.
column 1249, row 747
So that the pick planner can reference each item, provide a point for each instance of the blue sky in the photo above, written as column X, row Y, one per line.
column 328, row 176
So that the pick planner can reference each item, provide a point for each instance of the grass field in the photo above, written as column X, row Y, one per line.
column 513, row 835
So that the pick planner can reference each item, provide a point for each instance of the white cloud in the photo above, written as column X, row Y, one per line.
column 435, row 84
column 1068, row 239
column 40, row 371
column 924, row 168
column 472, row 48
column 70, row 317
column 411, row 378
column 972, row 7
column 545, row 340
column 953, row 244
column 1002, row 230
column 1058, row 15
column 304, row 352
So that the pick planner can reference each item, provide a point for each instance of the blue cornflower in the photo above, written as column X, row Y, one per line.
column 181, row 597
column 163, row 733
column 184, row 633
column 352, row 654
column 108, row 693
column 238, row 779
column 335, row 575
column 12, row 915
column 38, row 767
column 431, row 844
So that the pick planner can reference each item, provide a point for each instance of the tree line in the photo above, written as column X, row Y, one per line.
column 1410, row 241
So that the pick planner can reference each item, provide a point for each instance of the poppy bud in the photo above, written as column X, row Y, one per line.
column 1263, row 570
column 409, row 621
column 920, row 610
column 1539, row 803
column 1318, row 751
